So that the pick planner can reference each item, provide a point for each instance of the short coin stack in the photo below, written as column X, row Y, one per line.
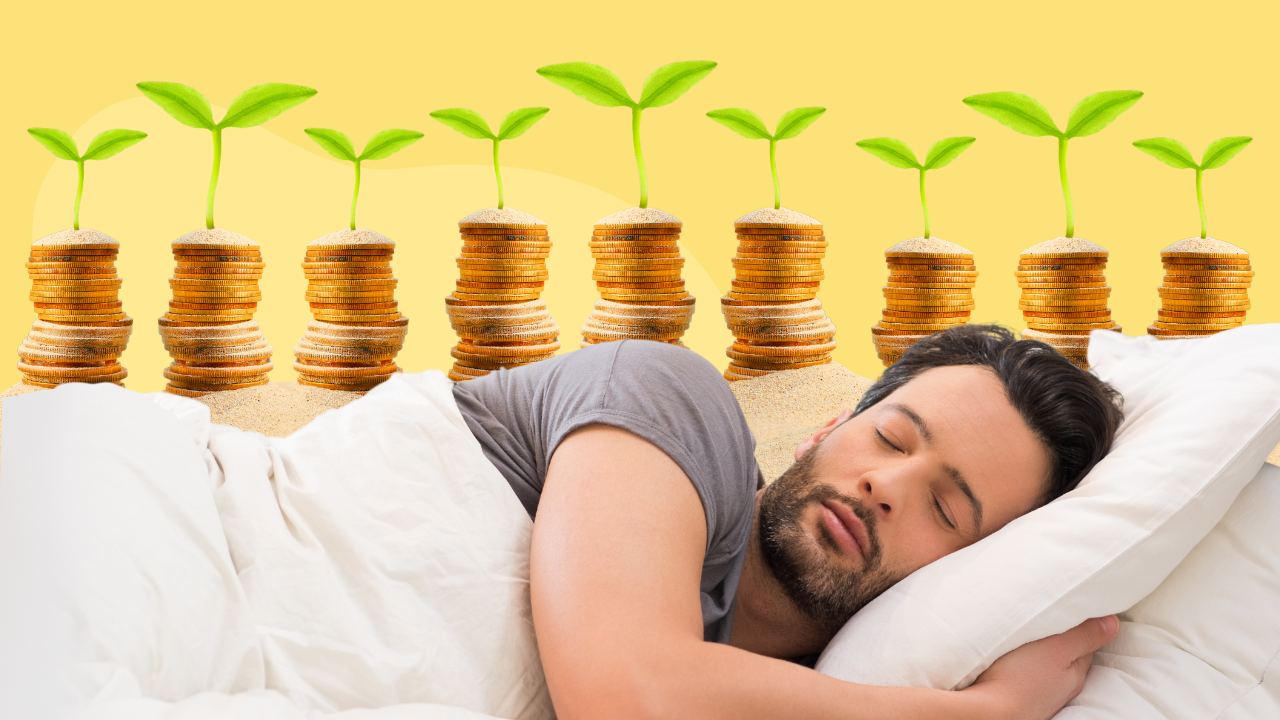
column 772, row 307
column 638, row 274
column 497, row 309
column 82, row 329
column 356, row 330
column 1205, row 291
column 209, row 330
column 930, row 288
column 1064, row 295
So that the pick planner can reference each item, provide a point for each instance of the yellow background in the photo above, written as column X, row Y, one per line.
column 886, row 69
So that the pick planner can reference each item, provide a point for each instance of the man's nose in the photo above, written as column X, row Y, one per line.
column 883, row 492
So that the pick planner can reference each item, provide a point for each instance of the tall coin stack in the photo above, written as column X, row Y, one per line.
column 356, row 330
column 930, row 288
column 497, row 309
column 1205, row 291
column 209, row 330
column 1064, row 295
column 772, row 307
column 82, row 329
column 638, row 274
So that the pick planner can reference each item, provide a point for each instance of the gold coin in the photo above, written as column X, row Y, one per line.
column 108, row 296
column 471, row 229
column 911, row 316
column 1205, row 293
column 1158, row 331
column 1208, row 304
column 770, row 298
column 774, row 286
column 88, row 318
column 82, row 306
column 70, row 251
column 1174, row 315
column 774, row 229
column 1195, row 272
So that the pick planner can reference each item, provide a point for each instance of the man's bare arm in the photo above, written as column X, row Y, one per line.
column 617, row 557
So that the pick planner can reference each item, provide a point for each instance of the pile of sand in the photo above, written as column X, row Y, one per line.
column 781, row 216
column 782, row 408
column 636, row 215
column 505, row 216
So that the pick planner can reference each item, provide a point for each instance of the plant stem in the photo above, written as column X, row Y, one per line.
column 213, row 179
column 497, row 171
column 1066, row 190
column 924, row 205
column 635, row 139
column 773, row 165
column 75, row 223
column 1204, row 224
column 354, row 196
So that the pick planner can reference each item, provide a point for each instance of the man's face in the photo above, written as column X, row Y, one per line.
column 940, row 463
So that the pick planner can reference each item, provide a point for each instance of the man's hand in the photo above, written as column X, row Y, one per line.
column 1036, row 680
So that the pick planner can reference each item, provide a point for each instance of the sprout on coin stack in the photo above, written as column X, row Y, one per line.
column 1206, row 281
column 772, row 307
column 1064, row 292
column 497, row 309
column 931, row 280
column 638, row 261
column 209, row 330
column 356, row 330
column 82, row 328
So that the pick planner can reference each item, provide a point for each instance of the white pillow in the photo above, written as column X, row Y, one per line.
column 1206, row 643
column 112, row 558
column 1200, row 418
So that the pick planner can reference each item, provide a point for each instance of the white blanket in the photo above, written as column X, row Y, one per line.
column 374, row 559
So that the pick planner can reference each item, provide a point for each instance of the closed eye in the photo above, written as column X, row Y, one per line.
column 885, row 440
column 942, row 513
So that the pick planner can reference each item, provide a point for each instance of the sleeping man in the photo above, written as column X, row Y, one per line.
column 668, row 582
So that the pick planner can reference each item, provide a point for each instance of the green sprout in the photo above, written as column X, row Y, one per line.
column 1175, row 154
column 469, row 123
column 600, row 86
column 897, row 154
column 252, row 107
column 380, row 146
column 1026, row 115
column 105, row 145
column 749, row 125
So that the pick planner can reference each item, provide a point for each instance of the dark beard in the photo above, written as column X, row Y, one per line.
column 826, row 594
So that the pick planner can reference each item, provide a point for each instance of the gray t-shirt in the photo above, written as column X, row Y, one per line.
column 667, row 395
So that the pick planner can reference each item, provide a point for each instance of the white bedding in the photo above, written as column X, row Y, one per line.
column 374, row 559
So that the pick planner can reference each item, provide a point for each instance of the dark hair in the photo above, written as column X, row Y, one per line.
column 1073, row 413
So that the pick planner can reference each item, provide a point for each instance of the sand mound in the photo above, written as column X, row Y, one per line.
column 1209, row 245
column 933, row 245
column 505, row 216
column 347, row 236
column 632, row 216
column 780, row 216
column 215, row 236
column 1064, row 246
column 83, row 236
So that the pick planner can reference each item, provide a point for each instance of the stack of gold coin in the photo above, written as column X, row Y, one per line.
column 772, row 307
column 82, row 329
column 356, row 330
column 638, row 274
column 1205, row 291
column 1064, row 295
column 930, row 289
column 209, row 330
column 497, row 309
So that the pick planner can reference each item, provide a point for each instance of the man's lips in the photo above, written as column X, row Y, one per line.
column 849, row 532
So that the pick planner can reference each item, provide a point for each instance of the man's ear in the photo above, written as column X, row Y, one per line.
column 822, row 432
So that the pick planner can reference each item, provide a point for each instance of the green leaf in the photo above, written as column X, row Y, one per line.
column 388, row 143
column 894, row 152
column 666, row 84
column 59, row 143
column 793, row 122
column 335, row 143
column 742, row 121
column 184, row 103
column 946, row 150
column 518, row 121
column 590, row 82
column 1098, row 110
column 1222, row 150
column 467, row 122
column 1168, row 151
column 260, row 103
column 1016, row 111
column 112, row 142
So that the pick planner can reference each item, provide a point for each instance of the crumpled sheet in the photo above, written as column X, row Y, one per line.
column 372, row 565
